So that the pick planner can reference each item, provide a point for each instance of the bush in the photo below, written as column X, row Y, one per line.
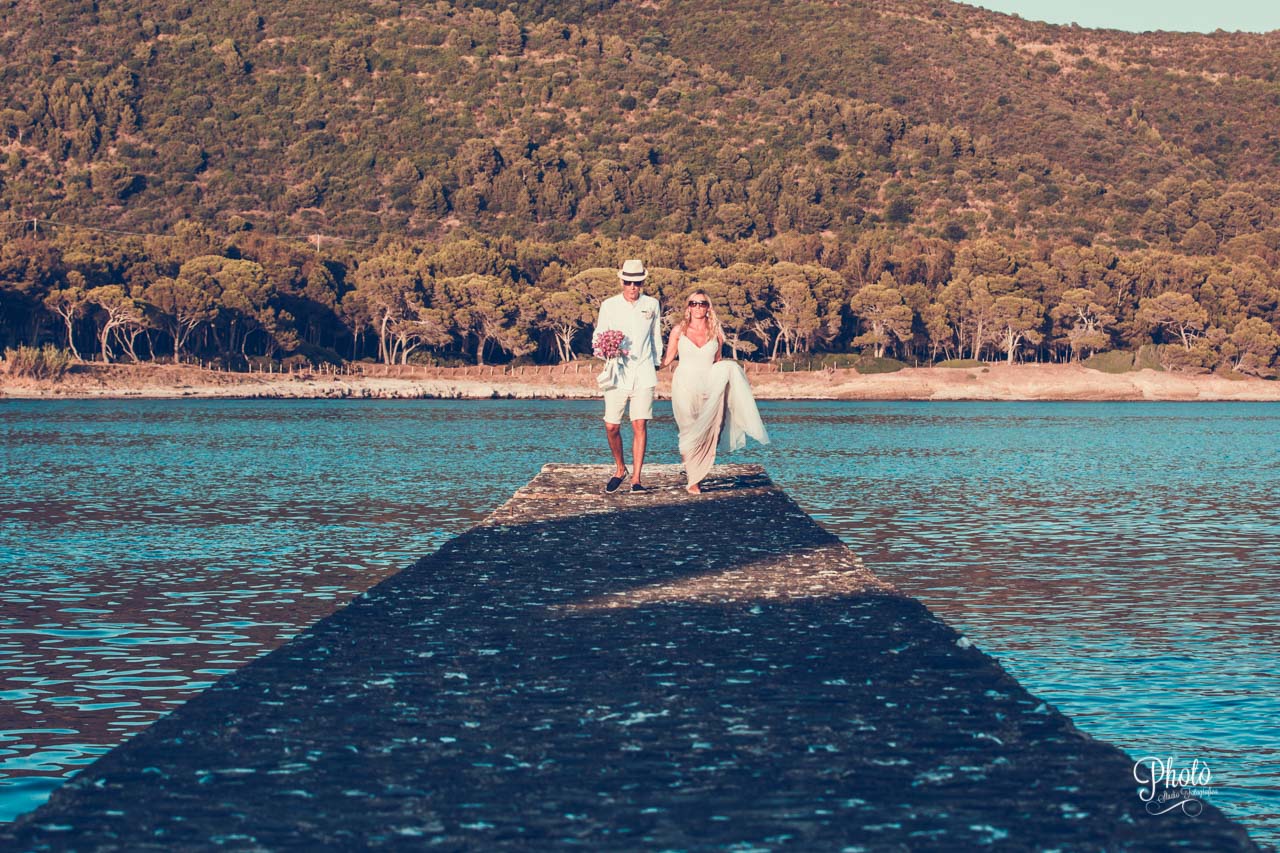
column 449, row 361
column 837, row 360
column 1229, row 373
column 899, row 210
column 959, row 362
column 1148, row 358
column 262, row 364
column 871, row 364
column 1199, row 359
column 47, row 362
column 840, row 361
column 825, row 361
column 1113, row 361
column 313, row 354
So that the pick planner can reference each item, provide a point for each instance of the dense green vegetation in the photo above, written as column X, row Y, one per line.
column 913, row 179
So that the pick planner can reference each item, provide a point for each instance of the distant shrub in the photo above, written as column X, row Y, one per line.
column 47, row 362
column 959, row 362
column 313, row 354
column 424, row 358
column 825, row 152
column 1114, row 361
column 1199, row 359
column 295, row 362
column 871, row 364
column 838, row 360
column 899, row 210
column 833, row 361
column 1148, row 358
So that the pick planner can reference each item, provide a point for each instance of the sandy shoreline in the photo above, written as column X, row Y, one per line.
column 991, row 382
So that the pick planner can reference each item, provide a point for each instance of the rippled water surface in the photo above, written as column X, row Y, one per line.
column 1119, row 559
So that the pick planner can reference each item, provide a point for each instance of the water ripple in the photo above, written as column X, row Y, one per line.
column 1119, row 559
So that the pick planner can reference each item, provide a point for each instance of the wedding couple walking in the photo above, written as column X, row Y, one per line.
column 710, row 397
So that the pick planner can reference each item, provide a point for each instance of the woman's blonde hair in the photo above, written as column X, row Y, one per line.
column 713, row 322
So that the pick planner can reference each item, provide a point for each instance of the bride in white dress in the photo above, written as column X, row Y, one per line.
column 711, row 398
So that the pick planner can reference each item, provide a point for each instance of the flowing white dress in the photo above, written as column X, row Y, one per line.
column 712, row 402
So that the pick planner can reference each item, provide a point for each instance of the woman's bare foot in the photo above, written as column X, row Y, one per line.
column 693, row 489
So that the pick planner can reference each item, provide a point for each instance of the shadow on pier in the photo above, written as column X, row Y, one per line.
column 626, row 671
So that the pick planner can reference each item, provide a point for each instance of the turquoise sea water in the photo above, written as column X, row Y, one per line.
column 1119, row 559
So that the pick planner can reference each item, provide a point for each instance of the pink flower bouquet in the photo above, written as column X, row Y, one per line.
column 610, row 344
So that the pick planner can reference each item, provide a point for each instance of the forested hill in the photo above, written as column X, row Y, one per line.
column 909, row 178
column 1115, row 106
column 740, row 119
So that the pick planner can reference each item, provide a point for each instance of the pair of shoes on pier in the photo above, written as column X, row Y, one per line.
column 615, row 483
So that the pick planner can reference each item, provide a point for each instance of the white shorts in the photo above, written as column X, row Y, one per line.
column 616, row 399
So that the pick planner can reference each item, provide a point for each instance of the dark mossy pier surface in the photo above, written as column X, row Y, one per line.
column 621, row 672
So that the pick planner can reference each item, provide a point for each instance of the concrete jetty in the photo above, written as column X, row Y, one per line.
column 647, row 671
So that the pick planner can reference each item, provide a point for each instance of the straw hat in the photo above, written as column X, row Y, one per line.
column 633, row 270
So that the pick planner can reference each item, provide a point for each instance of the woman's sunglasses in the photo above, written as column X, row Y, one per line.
column 693, row 303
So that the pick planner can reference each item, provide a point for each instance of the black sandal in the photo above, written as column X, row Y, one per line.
column 636, row 487
column 613, row 484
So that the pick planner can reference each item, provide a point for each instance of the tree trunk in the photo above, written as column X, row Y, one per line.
column 104, row 342
column 129, row 342
column 182, row 334
column 384, row 353
column 71, row 337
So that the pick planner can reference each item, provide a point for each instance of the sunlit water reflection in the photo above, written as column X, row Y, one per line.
column 1117, row 558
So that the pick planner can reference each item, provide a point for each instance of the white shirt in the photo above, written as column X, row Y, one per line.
column 641, row 323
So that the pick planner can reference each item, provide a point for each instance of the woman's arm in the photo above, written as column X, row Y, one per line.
column 672, row 349
column 719, row 349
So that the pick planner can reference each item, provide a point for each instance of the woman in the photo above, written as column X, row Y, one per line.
column 710, row 398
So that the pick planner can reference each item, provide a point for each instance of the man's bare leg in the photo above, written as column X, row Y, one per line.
column 638, row 436
column 614, row 433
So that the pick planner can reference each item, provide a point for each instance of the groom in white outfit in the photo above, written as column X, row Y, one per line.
column 639, row 318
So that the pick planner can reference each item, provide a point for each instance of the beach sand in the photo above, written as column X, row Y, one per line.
column 989, row 382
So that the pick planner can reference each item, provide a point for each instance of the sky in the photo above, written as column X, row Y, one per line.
column 1137, row 15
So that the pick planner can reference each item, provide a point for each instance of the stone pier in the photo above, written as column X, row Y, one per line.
column 622, row 672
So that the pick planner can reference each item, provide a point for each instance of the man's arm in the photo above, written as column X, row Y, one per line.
column 657, row 334
column 600, row 323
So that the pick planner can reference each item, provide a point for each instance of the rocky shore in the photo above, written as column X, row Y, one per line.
column 988, row 382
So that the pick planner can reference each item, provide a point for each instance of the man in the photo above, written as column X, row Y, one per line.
column 639, row 318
